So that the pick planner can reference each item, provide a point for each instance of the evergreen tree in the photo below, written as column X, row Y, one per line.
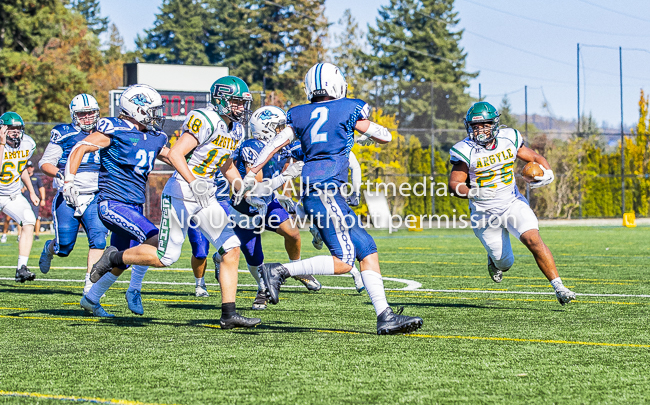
column 506, row 117
column 91, row 11
column 179, row 34
column 415, row 48
column 47, row 56
column 348, row 56
column 271, row 44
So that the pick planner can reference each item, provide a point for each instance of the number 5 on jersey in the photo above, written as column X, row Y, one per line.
column 321, row 115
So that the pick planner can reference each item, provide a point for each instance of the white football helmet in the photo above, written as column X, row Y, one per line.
column 143, row 104
column 81, row 103
column 325, row 79
column 267, row 122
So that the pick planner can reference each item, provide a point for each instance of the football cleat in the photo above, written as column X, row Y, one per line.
column 103, row 265
column 46, row 258
column 310, row 282
column 260, row 300
column 317, row 241
column 216, row 259
column 390, row 323
column 36, row 237
column 95, row 309
column 564, row 295
column 358, row 281
column 134, row 301
column 495, row 274
column 238, row 321
column 23, row 274
column 274, row 275
column 3, row 238
column 201, row 291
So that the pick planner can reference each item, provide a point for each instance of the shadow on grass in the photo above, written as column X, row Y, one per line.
column 406, row 306
column 24, row 289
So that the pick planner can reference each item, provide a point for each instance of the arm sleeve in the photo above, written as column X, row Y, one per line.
column 355, row 168
column 52, row 155
column 287, row 134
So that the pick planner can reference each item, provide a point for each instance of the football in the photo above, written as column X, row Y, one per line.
column 531, row 170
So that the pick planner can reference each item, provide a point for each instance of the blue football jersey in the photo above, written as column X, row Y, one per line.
column 127, row 161
column 244, row 155
column 222, row 192
column 66, row 136
column 326, row 133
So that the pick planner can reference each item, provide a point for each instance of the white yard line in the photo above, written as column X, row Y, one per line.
column 411, row 286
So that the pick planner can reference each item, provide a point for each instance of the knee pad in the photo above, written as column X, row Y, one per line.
column 63, row 250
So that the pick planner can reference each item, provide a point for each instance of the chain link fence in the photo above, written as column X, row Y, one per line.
column 587, row 169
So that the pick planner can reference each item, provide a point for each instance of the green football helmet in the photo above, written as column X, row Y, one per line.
column 12, row 119
column 227, row 89
column 482, row 112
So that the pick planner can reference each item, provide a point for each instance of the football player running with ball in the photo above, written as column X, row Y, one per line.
column 487, row 158
column 208, row 138
column 325, row 128
column 15, row 150
column 128, row 146
column 84, row 113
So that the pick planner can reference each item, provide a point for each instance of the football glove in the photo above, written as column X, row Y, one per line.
column 481, row 194
column 544, row 180
column 353, row 200
column 294, row 170
column 365, row 140
column 70, row 194
column 257, row 203
column 286, row 202
column 201, row 190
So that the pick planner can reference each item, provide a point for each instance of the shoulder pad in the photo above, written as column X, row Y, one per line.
column 512, row 135
column 461, row 151
column 62, row 131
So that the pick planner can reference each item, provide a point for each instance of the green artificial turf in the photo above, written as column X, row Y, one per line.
column 322, row 347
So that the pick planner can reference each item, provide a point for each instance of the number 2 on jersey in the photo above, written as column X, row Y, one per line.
column 144, row 165
column 321, row 115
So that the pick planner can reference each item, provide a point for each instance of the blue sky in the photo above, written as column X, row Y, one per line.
column 517, row 43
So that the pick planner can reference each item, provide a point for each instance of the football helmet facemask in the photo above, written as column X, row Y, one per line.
column 267, row 122
column 231, row 97
column 482, row 113
column 15, row 130
column 84, row 103
column 144, row 104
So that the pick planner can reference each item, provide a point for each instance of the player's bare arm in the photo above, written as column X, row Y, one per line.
column 49, row 169
column 91, row 143
column 163, row 156
column 230, row 172
column 176, row 155
column 284, row 138
column 3, row 141
column 528, row 155
column 24, row 176
column 458, row 180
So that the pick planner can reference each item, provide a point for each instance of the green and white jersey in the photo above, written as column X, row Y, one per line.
column 13, row 164
column 216, row 143
column 491, row 168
